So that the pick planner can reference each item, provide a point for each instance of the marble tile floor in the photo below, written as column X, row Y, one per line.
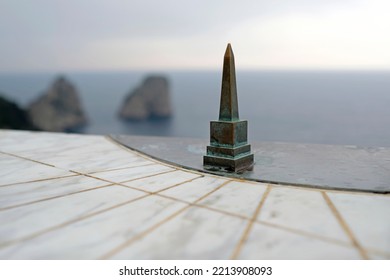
column 69, row 196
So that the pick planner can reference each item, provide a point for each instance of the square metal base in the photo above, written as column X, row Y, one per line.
column 225, row 133
column 238, row 164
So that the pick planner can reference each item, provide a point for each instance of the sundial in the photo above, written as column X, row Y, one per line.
column 228, row 153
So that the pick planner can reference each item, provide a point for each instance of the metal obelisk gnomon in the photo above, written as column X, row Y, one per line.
column 229, row 149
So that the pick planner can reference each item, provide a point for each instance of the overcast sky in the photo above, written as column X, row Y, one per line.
column 63, row 35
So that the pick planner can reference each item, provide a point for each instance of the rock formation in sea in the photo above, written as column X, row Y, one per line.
column 149, row 101
column 13, row 117
column 59, row 108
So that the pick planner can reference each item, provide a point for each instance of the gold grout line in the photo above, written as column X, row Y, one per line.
column 243, row 217
column 76, row 220
column 121, row 184
column 130, row 187
column 344, row 226
column 38, row 233
column 53, row 197
column 142, row 234
column 249, row 226
column 178, row 184
column 232, row 214
column 219, row 176
column 295, row 231
column 155, row 192
column 211, row 175
column 213, row 191
column 29, row 159
column 116, row 169
column 202, row 206
column 148, row 176
column 122, row 246
column 39, row 180
column 268, row 224
column 77, row 172
column 305, row 233
column 260, row 222
column 147, row 157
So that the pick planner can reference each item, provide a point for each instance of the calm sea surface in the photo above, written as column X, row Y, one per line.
column 331, row 107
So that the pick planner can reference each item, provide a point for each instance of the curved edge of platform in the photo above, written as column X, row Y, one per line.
column 119, row 140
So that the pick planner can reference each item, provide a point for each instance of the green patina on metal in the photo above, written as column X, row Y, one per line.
column 229, row 149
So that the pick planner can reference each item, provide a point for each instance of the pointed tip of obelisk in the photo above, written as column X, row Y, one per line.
column 229, row 51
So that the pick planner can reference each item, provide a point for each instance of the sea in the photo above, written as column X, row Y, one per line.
column 321, row 107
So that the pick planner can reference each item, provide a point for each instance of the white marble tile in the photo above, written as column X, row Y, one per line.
column 303, row 210
column 94, row 157
column 94, row 237
column 196, row 233
column 124, row 175
column 14, row 195
column 16, row 170
column 103, row 161
column 266, row 243
column 23, row 221
column 367, row 216
column 82, row 153
column 31, row 144
column 196, row 189
column 237, row 197
column 162, row 181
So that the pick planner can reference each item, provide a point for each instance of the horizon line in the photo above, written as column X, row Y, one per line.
column 196, row 69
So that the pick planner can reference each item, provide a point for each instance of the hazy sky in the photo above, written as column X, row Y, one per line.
column 58, row 35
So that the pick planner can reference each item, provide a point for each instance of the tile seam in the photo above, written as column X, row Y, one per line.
column 178, row 184
column 54, row 197
column 126, row 181
column 39, row 180
column 29, row 159
column 115, row 169
column 34, row 235
column 344, row 225
column 305, row 233
column 148, row 176
column 149, row 230
column 267, row 224
column 59, row 226
column 124, row 245
column 203, row 206
column 245, row 235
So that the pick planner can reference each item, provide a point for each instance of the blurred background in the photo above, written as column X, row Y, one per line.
column 307, row 71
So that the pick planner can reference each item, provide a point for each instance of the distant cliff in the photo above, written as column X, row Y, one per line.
column 13, row 117
column 149, row 101
column 59, row 108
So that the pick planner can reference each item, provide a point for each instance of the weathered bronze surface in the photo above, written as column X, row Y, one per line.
column 229, row 149
column 347, row 168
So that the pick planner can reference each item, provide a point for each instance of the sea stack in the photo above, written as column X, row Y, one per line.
column 229, row 149
column 151, row 100
column 59, row 108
